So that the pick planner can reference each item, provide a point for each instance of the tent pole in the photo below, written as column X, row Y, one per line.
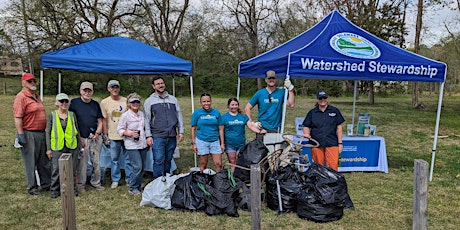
column 59, row 81
column 41, row 84
column 436, row 130
column 191, row 93
column 283, row 117
column 354, row 103
column 238, row 89
column 174, row 86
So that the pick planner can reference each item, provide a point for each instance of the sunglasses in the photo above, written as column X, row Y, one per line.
column 322, row 98
column 32, row 80
column 136, row 101
column 270, row 98
column 64, row 101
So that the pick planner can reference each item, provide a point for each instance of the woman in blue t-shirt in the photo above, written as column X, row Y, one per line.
column 207, row 133
column 234, row 130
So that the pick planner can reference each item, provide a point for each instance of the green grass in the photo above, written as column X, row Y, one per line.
column 382, row 201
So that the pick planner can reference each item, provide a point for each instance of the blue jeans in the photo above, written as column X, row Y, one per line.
column 137, row 159
column 117, row 150
column 163, row 152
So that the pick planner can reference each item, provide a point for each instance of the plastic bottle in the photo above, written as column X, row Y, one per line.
column 80, row 154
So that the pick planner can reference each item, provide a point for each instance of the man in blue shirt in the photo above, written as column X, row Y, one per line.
column 270, row 104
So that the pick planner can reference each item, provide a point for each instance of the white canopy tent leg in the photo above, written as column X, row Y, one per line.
column 59, row 81
column 41, row 84
column 191, row 93
column 436, row 130
column 283, row 117
column 196, row 168
column 174, row 86
column 354, row 103
column 238, row 89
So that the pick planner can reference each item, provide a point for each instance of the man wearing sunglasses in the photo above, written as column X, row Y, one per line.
column 270, row 104
column 30, row 122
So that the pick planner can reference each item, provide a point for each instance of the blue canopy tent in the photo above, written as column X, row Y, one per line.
column 336, row 49
column 116, row 55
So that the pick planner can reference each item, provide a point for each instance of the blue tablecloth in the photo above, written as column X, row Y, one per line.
column 148, row 166
column 361, row 154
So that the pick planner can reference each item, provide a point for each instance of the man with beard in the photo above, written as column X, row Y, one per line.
column 270, row 104
column 163, row 122
column 30, row 122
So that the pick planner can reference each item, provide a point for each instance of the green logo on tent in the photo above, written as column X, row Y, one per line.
column 353, row 45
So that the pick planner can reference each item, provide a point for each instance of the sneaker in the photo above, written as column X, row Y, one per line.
column 44, row 189
column 135, row 192
column 55, row 195
column 81, row 190
column 98, row 187
column 33, row 192
column 114, row 185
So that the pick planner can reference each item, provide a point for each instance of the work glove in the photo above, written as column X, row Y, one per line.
column 105, row 139
column 288, row 85
column 257, row 124
column 21, row 139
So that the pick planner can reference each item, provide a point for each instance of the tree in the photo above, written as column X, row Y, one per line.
column 165, row 19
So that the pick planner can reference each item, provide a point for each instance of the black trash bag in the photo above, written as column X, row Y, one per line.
column 225, row 182
column 331, row 185
column 251, row 153
column 290, row 182
column 187, row 195
column 243, row 200
column 324, row 195
column 221, row 195
column 217, row 202
column 311, row 208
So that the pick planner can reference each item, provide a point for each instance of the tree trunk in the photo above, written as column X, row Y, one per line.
column 371, row 93
column 418, row 28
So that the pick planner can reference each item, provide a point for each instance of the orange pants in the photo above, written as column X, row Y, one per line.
column 327, row 156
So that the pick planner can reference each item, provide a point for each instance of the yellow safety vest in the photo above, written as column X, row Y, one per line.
column 57, row 133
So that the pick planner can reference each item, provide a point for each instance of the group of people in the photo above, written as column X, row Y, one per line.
column 81, row 126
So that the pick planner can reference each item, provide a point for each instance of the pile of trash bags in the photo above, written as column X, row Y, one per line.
column 319, row 194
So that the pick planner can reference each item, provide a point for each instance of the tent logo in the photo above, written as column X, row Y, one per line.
column 353, row 45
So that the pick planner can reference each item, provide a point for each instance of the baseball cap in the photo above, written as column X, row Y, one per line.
column 270, row 74
column 133, row 99
column 86, row 85
column 62, row 96
column 27, row 76
column 113, row 83
column 321, row 93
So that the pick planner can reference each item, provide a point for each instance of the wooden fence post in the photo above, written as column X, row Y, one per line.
column 66, row 181
column 420, row 209
column 256, row 205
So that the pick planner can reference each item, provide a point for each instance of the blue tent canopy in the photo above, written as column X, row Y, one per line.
column 336, row 49
column 115, row 55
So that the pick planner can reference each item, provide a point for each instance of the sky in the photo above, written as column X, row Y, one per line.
column 434, row 20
